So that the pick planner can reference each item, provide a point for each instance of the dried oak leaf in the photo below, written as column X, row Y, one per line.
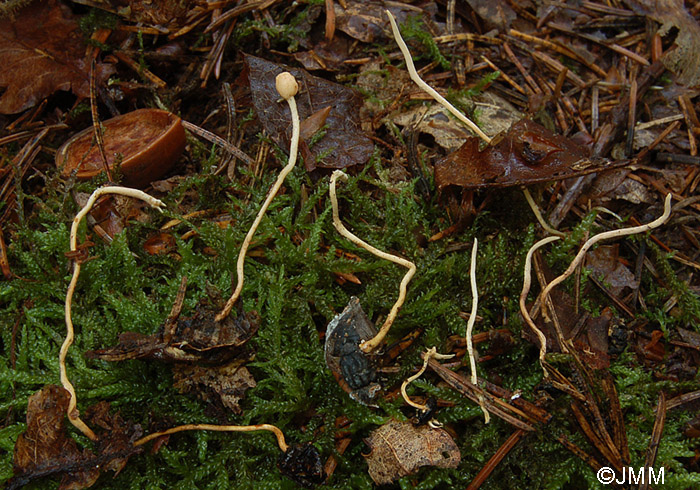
column 45, row 449
column 344, row 143
column 199, row 338
column 228, row 382
column 525, row 154
column 42, row 51
column 399, row 448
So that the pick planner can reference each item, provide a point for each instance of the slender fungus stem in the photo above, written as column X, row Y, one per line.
column 523, row 296
column 430, row 353
column 218, row 428
column 370, row 345
column 604, row 236
column 470, row 327
column 427, row 88
column 287, row 87
column 72, row 411
column 536, row 211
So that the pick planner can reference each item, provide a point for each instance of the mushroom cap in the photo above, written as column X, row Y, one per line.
column 287, row 85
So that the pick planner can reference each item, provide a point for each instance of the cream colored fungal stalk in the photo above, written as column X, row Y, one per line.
column 371, row 344
column 606, row 236
column 527, row 280
column 219, row 428
column 470, row 328
column 72, row 411
column 429, row 354
column 427, row 88
column 287, row 87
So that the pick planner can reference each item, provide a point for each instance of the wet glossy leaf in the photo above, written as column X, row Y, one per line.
column 42, row 51
column 146, row 143
column 525, row 154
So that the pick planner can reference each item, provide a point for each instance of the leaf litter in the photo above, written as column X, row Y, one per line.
column 42, row 51
column 629, row 313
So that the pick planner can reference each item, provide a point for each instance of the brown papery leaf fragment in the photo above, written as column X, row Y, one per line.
column 399, row 449
column 228, row 382
column 198, row 338
column 42, row 51
column 45, row 449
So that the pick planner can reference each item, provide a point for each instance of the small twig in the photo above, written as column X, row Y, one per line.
column 72, row 412
column 527, row 280
column 218, row 428
column 656, row 433
column 430, row 353
column 211, row 137
column 427, row 88
column 370, row 345
column 604, row 236
column 287, row 87
column 496, row 459
column 97, row 127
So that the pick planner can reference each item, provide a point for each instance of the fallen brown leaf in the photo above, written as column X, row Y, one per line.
column 525, row 154
column 198, row 338
column 344, row 143
column 45, row 449
column 42, row 51
column 398, row 449
column 228, row 382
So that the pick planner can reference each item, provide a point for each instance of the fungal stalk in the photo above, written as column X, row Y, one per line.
column 219, row 428
column 287, row 87
column 429, row 354
column 527, row 280
column 538, row 215
column 470, row 327
column 72, row 411
column 371, row 344
column 427, row 88
column 605, row 236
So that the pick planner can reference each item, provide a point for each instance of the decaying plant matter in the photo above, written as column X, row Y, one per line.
column 570, row 103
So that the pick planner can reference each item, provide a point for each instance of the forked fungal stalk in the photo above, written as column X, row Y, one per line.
column 287, row 87
column 527, row 281
column 72, row 411
column 470, row 327
column 371, row 344
column 604, row 236
column 429, row 354
column 536, row 211
column 427, row 88
column 218, row 428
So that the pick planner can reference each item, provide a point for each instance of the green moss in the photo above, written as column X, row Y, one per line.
column 414, row 30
